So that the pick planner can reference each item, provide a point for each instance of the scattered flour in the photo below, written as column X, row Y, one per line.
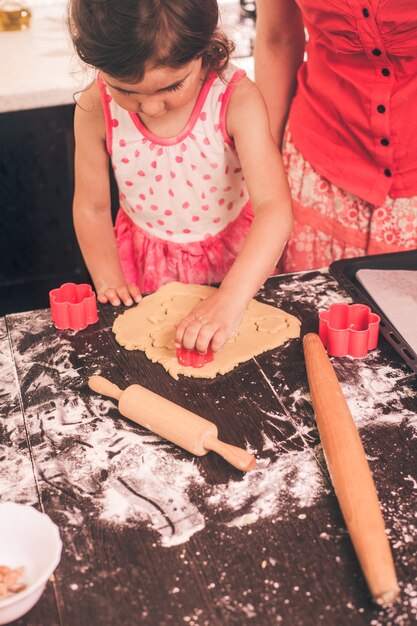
column 125, row 475
column 128, row 475
column 13, row 448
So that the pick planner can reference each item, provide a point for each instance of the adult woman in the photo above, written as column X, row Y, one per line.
column 350, row 139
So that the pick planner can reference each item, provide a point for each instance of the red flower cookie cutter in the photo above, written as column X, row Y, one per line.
column 73, row 306
column 193, row 358
column 349, row 329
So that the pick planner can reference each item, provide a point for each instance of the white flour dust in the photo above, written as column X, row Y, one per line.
column 292, row 478
column 318, row 293
column 128, row 475
column 376, row 395
column 13, row 448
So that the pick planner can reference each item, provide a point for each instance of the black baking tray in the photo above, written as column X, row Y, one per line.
column 345, row 273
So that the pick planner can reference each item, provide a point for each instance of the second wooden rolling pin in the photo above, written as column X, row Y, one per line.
column 172, row 422
column 350, row 473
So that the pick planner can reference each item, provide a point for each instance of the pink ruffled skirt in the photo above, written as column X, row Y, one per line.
column 150, row 262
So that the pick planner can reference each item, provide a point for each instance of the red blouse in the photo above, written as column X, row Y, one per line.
column 354, row 116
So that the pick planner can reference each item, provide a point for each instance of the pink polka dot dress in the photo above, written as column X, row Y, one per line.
column 184, row 207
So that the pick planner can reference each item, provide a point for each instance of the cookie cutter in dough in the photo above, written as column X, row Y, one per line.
column 193, row 358
column 73, row 306
column 349, row 329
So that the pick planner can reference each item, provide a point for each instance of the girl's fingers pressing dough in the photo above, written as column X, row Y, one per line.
column 198, row 334
column 190, row 334
column 219, row 339
column 194, row 332
column 179, row 335
column 205, row 336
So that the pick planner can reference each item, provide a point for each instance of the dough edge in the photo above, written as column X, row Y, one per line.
column 132, row 329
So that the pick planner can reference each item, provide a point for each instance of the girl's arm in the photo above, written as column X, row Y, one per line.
column 217, row 318
column 279, row 51
column 92, row 208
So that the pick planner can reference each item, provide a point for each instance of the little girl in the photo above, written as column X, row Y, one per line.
column 203, row 193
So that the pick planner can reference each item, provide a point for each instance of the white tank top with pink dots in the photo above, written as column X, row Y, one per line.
column 185, row 188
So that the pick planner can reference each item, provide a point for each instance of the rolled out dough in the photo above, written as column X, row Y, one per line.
column 150, row 326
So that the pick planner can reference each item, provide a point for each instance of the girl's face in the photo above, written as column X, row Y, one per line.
column 162, row 89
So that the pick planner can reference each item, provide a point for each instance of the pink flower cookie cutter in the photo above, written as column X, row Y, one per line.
column 349, row 329
column 193, row 358
column 73, row 306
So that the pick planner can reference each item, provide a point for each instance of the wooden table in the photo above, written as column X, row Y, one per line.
column 154, row 536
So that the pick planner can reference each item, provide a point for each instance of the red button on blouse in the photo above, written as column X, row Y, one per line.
column 353, row 116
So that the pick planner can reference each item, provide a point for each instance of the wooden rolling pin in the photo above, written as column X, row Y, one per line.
column 350, row 474
column 172, row 422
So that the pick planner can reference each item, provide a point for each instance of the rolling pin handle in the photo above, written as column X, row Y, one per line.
column 243, row 460
column 101, row 385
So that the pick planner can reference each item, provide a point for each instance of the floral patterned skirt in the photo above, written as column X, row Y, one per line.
column 332, row 224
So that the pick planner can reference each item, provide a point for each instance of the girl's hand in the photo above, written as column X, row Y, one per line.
column 126, row 294
column 210, row 323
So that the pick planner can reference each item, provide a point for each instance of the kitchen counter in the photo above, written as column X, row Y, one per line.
column 40, row 69
column 153, row 535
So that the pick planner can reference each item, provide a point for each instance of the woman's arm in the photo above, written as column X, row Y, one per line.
column 217, row 318
column 263, row 170
column 92, row 204
column 279, row 51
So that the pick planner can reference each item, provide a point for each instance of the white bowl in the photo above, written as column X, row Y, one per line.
column 29, row 539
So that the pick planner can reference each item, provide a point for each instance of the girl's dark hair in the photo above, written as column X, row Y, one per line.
column 120, row 36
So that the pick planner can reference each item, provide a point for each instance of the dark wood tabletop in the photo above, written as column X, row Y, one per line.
column 152, row 535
